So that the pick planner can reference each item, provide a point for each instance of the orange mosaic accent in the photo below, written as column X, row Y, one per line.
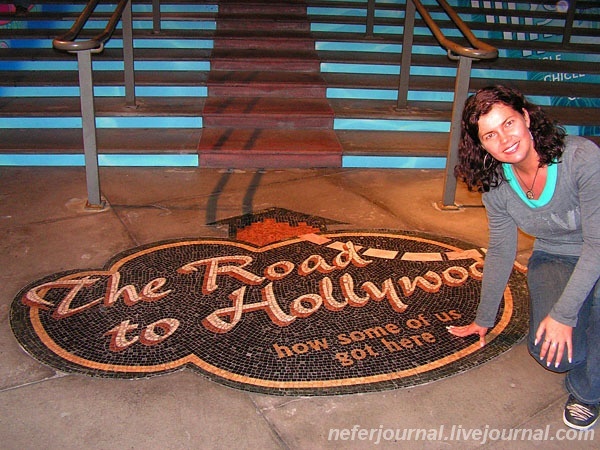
column 269, row 231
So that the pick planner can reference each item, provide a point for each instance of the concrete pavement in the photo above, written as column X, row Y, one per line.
column 46, row 230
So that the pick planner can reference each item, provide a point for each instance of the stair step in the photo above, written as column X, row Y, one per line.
column 268, row 148
column 266, row 84
column 421, row 83
column 279, row 60
column 264, row 23
column 28, row 107
column 109, row 140
column 266, row 2
column 186, row 78
column 108, row 54
column 267, row 112
column 393, row 143
column 276, row 9
column 292, row 40
column 351, row 108
column 442, row 111
column 58, row 16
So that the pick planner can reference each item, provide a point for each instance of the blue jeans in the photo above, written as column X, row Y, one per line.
column 547, row 277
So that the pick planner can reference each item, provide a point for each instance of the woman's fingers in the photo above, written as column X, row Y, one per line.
column 555, row 338
column 468, row 330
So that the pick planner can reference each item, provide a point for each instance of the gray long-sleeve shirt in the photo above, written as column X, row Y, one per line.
column 569, row 224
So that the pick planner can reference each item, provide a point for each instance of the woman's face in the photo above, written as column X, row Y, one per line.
column 504, row 134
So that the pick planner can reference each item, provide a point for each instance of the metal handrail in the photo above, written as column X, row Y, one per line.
column 480, row 49
column 67, row 42
column 464, row 55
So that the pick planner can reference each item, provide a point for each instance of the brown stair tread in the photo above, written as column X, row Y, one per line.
column 262, row 2
column 263, row 42
column 258, row 76
column 103, row 77
column 393, row 143
column 104, row 106
column 281, row 34
column 290, row 84
column 268, row 148
column 520, row 64
column 268, row 106
column 446, row 84
column 386, row 109
column 268, row 140
column 185, row 141
column 276, row 53
column 270, row 14
column 109, row 140
column 442, row 111
column 116, row 54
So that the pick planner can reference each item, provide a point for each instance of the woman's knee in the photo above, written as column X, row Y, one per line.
column 563, row 366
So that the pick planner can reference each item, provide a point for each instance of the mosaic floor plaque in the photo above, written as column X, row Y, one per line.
column 283, row 306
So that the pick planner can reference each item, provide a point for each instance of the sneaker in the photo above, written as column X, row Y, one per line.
column 579, row 415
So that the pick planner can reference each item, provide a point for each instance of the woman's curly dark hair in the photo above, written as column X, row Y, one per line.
column 480, row 175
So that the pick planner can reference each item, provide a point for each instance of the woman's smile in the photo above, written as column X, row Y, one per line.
column 512, row 149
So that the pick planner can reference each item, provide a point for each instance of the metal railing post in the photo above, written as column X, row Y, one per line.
column 456, row 51
column 84, row 48
column 461, row 91
column 156, row 28
column 88, row 118
column 128, row 64
column 407, row 43
column 370, row 18
column 569, row 22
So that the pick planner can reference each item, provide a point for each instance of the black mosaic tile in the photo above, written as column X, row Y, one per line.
column 303, row 312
